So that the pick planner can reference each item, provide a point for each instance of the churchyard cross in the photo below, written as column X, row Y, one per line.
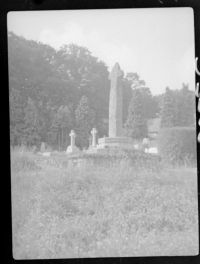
column 72, row 136
column 115, row 102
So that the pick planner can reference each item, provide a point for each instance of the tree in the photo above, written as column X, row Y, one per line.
column 29, row 67
column 53, row 79
column 148, row 103
column 16, row 117
column 190, row 107
column 168, row 111
column 157, row 102
column 83, row 74
column 31, row 134
column 136, row 124
column 61, row 126
column 178, row 108
column 185, row 107
column 127, row 95
column 135, row 80
column 85, row 117
column 131, row 82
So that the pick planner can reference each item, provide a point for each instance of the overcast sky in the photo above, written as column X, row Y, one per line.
column 157, row 43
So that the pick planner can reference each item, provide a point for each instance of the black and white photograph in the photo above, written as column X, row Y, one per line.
column 103, row 148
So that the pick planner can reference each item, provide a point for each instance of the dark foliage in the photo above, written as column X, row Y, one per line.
column 178, row 144
column 46, row 85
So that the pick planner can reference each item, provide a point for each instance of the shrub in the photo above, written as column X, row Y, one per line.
column 177, row 144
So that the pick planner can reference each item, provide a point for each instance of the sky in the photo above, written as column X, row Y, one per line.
column 156, row 43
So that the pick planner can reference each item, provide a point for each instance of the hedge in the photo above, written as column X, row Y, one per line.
column 177, row 144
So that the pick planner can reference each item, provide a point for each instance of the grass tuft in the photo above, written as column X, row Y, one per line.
column 61, row 211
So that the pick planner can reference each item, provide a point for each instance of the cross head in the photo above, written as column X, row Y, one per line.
column 116, row 72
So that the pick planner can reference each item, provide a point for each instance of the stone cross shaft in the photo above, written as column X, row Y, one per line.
column 94, row 139
column 115, row 103
column 72, row 136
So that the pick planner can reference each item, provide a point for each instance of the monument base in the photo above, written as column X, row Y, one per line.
column 72, row 149
column 91, row 150
column 115, row 142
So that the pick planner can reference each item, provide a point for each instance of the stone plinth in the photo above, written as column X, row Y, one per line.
column 115, row 142
column 91, row 150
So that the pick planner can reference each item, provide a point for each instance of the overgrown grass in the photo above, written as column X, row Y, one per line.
column 95, row 211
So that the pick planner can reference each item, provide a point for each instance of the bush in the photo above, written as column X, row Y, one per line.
column 177, row 144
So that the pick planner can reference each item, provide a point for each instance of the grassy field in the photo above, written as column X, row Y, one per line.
column 71, row 212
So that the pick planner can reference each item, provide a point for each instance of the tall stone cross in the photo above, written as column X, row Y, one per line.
column 115, row 102
column 94, row 139
column 72, row 136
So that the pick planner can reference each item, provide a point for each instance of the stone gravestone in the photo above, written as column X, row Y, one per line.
column 42, row 147
column 72, row 148
column 115, row 138
column 93, row 142
column 94, row 137
column 43, row 150
column 145, row 144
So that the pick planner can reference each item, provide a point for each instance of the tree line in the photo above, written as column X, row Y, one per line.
column 53, row 91
column 176, row 108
